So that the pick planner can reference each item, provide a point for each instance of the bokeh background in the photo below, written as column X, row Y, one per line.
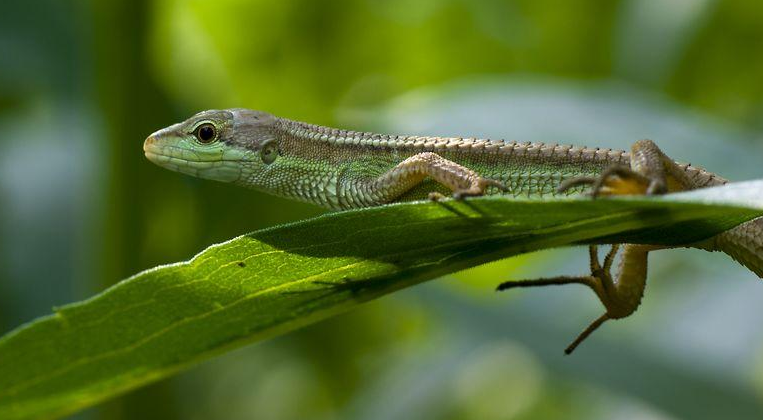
column 83, row 82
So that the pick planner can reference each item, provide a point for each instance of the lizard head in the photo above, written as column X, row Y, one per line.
column 223, row 145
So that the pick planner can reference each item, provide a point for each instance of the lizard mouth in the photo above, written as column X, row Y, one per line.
column 191, row 162
column 160, row 153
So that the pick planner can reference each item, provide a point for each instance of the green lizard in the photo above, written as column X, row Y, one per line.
column 341, row 169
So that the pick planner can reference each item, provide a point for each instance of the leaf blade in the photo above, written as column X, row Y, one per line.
column 272, row 281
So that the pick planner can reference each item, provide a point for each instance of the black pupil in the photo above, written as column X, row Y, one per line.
column 206, row 133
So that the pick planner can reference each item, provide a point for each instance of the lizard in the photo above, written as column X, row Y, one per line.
column 343, row 169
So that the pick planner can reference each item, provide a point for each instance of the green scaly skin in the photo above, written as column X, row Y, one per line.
column 338, row 169
column 341, row 169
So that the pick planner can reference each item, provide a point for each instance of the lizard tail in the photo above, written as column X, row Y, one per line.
column 744, row 244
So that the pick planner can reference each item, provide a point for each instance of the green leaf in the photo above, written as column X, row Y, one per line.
column 275, row 280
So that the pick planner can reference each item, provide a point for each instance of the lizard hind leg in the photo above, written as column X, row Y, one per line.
column 650, row 172
column 620, row 297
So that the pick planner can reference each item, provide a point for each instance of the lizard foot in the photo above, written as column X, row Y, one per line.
column 600, row 281
column 615, row 180
column 478, row 188
column 436, row 196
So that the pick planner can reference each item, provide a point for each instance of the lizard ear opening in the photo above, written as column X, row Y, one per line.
column 269, row 151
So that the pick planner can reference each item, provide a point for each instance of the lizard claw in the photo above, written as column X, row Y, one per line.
column 435, row 196
column 478, row 188
column 484, row 183
column 616, row 179
column 574, row 182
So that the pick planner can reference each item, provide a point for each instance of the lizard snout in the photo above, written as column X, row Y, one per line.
column 150, row 141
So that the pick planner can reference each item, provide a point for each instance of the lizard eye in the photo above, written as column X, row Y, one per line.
column 206, row 133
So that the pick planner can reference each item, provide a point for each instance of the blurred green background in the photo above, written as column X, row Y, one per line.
column 82, row 83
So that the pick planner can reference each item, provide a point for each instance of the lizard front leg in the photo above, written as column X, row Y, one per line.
column 463, row 181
